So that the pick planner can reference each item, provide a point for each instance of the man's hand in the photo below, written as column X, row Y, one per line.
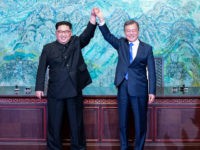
column 99, row 14
column 93, row 17
column 39, row 94
column 151, row 98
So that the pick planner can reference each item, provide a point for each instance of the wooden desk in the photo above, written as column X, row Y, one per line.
column 173, row 121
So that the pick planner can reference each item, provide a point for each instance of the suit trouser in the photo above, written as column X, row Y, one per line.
column 74, row 109
column 139, row 110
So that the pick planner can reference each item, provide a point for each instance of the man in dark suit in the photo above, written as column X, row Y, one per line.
column 68, row 75
column 135, row 61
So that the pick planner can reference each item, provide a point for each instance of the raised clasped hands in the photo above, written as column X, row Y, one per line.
column 98, row 14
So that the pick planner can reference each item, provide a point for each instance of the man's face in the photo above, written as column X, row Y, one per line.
column 63, row 34
column 131, row 32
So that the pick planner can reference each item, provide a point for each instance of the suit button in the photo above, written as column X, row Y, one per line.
column 67, row 65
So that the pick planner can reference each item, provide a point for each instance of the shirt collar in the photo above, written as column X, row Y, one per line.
column 136, row 42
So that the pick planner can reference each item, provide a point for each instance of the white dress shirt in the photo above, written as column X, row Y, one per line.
column 135, row 48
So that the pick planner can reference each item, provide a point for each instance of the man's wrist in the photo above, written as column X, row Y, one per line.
column 101, row 22
column 93, row 20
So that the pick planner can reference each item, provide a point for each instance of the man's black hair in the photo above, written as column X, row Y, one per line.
column 63, row 23
column 129, row 22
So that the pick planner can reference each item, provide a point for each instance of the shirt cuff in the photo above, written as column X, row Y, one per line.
column 102, row 23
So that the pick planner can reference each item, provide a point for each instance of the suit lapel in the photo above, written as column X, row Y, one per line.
column 127, row 53
column 139, row 52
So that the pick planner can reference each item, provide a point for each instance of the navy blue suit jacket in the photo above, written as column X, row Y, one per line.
column 138, row 84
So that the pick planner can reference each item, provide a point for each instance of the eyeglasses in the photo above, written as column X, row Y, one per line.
column 64, row 32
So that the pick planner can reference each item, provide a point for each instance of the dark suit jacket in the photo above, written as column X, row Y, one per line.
column 68, row 73
column 137, row 73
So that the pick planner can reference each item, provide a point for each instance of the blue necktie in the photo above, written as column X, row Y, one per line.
column 130, row 58
column 130, row 51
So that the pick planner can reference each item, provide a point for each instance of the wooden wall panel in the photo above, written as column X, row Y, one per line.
column 177, row 123
column 109, row 123
column 92, row 125
column 173, row 124
column 22, row 123
column 150, row 124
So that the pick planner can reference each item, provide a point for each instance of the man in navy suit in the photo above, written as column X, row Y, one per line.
column 134, row 88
